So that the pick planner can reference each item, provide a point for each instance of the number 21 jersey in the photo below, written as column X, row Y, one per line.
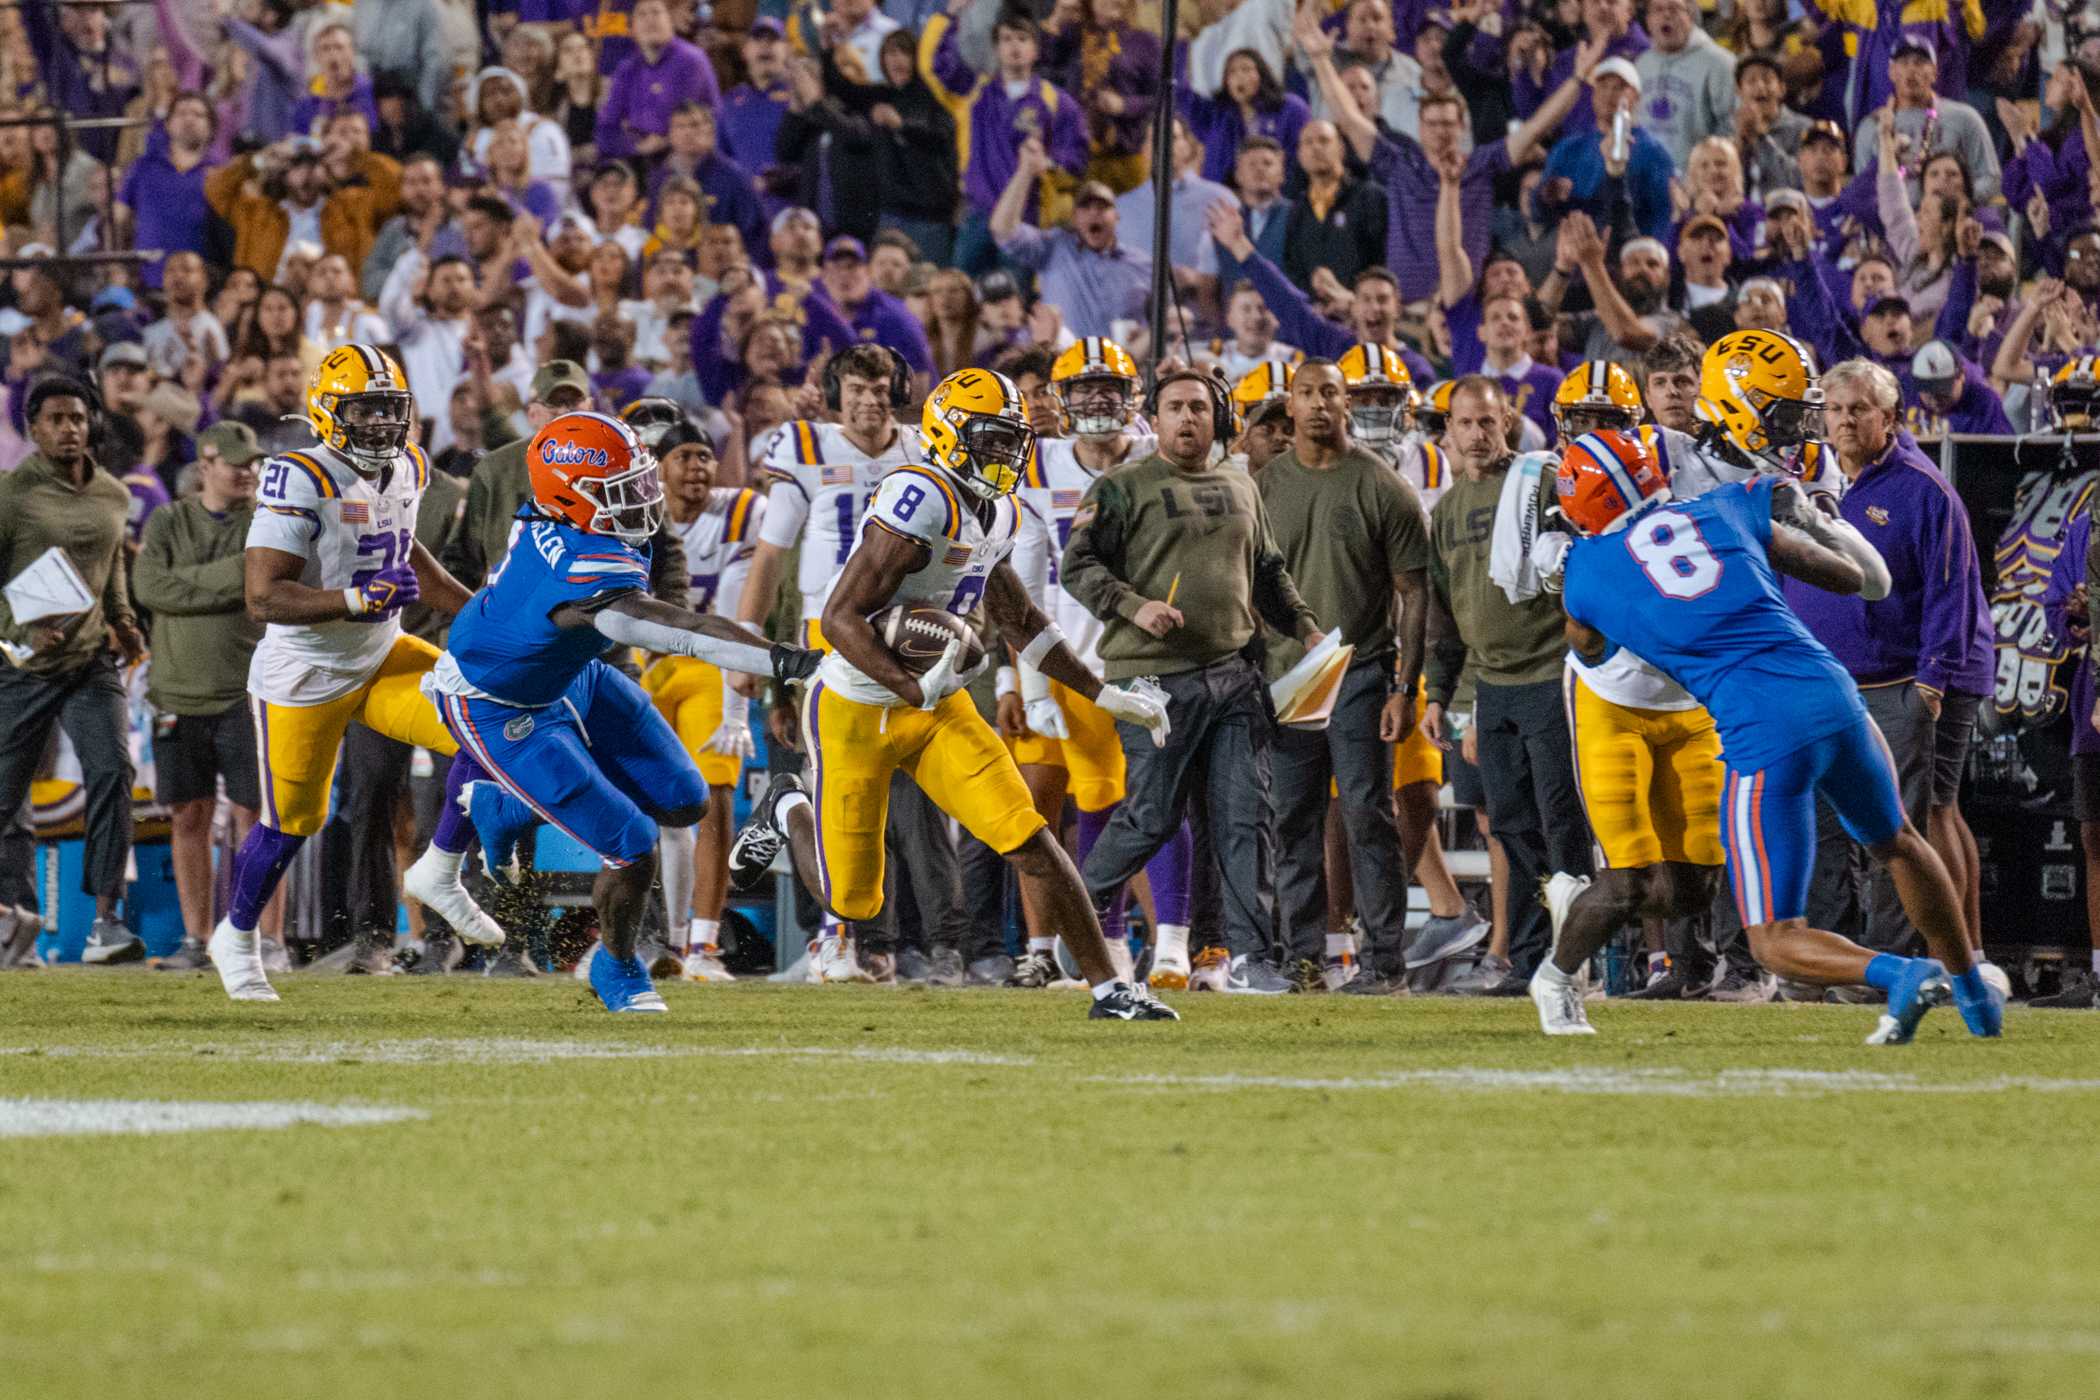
column 346, row 527
column 1688, row 586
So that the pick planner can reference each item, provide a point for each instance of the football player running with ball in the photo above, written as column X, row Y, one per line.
column 937, row 537
column 572, row 741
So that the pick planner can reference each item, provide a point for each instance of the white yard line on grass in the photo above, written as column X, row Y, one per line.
column 1673, row 1083
column 74, row 1117
column 497, row 1050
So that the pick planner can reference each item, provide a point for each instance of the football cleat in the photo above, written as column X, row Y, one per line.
column 704, row 964
column 1559, row 1001
column 1921, row 986
column 1035, row 969
column 238, row 959
column 623, row 984
column 1128, row 1003
column 1211, row 970
column 1558, row 893
column 1981, row 1005
column 433, row 882
column 757, row 846
column 832, row 959
column 1169, row 971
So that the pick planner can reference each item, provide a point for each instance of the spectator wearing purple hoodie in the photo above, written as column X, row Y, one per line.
column 994, row 116
column 1945, row 392
column 336, row 84
column 662, row 75
column 83, row 76
column 731, row 193
column 1249, row 102
column 1604, row 22
column 1091, row 48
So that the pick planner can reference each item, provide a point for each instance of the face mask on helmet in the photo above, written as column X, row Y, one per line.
column 651, row 421
column 1579, row 419
column 2074, row 407
column 996, row 449
column 1098, row 405
column 630, row 505
column 375, row 426
column 1791, row 422
column 1375, row 413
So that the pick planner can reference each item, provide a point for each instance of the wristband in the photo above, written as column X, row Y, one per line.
column 1005, row 684
column 354, row 599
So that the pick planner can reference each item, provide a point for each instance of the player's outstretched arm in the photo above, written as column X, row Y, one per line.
column 636, row 619
column 876, row 570
column 1039, row 644
column 1823, row 549
column 440, row 590
column 270, row 578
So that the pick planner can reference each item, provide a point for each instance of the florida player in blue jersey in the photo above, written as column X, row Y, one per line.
column 524, row 688
column 1689, row 585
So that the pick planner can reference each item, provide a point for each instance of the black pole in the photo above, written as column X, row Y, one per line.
column 1163, row 181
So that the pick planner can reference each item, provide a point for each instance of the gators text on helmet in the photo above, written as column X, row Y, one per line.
column 593, row 472
column 977, row 430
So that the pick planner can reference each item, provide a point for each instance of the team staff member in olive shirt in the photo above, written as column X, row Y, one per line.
column 66, row 669
column 1516, row 651
column 188, row 577
column 1172, row 523
column 1354, row 537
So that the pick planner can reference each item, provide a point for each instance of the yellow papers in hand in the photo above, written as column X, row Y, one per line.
column 1304, row 695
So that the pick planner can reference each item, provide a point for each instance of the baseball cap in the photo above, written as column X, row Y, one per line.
column 124, row 352
column 1618, row 68
column 1787, row 199
column 846, row 246
column 2002, row 240
column 767, row 27
column 1889, row 303
column 559, row 374
column 1700, row 223
column 114, row 299
column 1093, row 192
column 1934, row 366
column 997, row 285
column 1825, row 130
column 1278, row 407
column 1910, row 41
column 234, row 440
column 791, row 214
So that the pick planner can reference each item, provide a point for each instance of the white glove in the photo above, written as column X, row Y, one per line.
column 942, row 679
column 1549, row 556
column 733, row 735
column 1045, row 716
column 1141, row 703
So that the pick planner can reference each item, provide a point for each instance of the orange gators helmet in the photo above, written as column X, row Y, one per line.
column 593, row 472
column 1606, row 477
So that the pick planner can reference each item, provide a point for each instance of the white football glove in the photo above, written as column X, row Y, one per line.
column 1141, row 703
column 943, row 679
column 1045, row 716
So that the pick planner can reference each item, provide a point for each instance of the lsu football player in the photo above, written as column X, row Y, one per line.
column 331, row 560
column 819, row 477
column 938, row 535
column 1260, row 400
column 572, row 741
column 1069, row 745
column 1692, row 584
column 718, row 527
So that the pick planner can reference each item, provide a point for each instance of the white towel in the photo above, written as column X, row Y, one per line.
column 1517, row 526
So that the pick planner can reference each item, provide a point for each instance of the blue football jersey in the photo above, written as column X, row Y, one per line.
column 1687, row 586
column 504, row 644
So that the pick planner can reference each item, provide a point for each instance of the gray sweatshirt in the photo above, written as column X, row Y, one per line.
column 1687, row 96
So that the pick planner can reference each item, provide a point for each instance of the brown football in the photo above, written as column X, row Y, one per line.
column 918, row 635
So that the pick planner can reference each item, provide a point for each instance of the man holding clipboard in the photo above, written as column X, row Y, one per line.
column 66, row 667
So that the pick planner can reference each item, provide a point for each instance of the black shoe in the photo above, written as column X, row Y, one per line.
column 1128, row 1003
column 1034, row 969
column 1376, row 978
column 441, row 953
column 752, row 854
column 2080, row 992
column 511, row 960
column 1667, row 985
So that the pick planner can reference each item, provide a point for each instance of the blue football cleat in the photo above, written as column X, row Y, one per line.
column 1981, row 1005
column 1921, row 986
column 501, row 821
column 623, row 984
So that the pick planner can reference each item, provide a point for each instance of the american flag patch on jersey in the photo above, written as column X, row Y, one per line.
column 837, row 476
column 958, row 555
column 1065, row 500
column 356, row 513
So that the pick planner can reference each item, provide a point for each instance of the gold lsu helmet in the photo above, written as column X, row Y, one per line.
column 1381, row 391
column 976, row 428
column 1596, row 396
column 1271, row 379
column 358, row 404
column 2073, row 395
column 1759, row 388
column 1433, row 412
column 1095, row 360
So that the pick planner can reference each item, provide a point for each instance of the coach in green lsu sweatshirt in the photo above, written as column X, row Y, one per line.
column 1174, row 555
column 188, row 576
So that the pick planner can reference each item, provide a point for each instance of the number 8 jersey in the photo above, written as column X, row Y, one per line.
column 926, row 505
column 346, row 527
column 820, row 486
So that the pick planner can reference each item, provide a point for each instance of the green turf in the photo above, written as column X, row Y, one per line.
column 733, row 1218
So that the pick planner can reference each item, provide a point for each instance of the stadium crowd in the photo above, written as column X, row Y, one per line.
column 747, row 229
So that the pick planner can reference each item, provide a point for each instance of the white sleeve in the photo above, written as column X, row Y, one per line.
column 787, row 496
column 1031, row 556
column 287, row 510
column 729, row 589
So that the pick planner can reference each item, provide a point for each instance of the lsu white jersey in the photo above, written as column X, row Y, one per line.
column 818, row 488
column 1424, row 465
column 925, row 504
column 346, row 527
column 719, row 543
column 1051, row 489
column 1228, row 359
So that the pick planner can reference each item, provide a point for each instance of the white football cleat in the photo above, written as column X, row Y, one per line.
column 1211, row 971
column 238, row 959
column 1994, row 977
column 704, row 964
column 1558, row 895
column 832, row 959
column 433, row 882
column 1170, row 970
column 1559, row 1000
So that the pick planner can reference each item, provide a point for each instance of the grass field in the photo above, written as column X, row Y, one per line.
column 878, row 1192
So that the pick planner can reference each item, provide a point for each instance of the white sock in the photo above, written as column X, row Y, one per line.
column 1173, row 944
column 2096, row 962
column 1042, row 945
column 674, row 846
column 703, row 933
column 1103, row 990
column 788, row 804
column 1340, row 945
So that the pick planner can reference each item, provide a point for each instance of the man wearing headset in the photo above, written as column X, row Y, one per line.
column 1178, row 525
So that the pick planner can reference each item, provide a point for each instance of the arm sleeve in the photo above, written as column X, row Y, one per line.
column 1027, row 245
column 1067, row 144
column 1275, row 595
column 611, row 127
column 183, row 590
column 1296, row 321
column 1447, row 648
column 1031, row 556
column 1095, row 551
column 1952, row 325
column 729, row 588
column 754, row 657
column 1892, row 201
